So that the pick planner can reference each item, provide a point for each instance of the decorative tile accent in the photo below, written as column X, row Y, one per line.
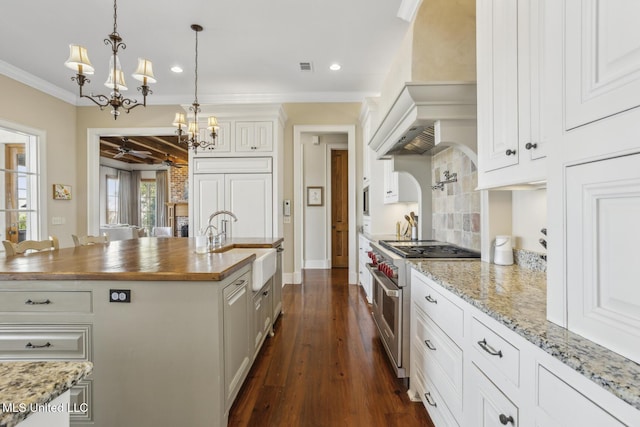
column 456, row 210
column 517, row 298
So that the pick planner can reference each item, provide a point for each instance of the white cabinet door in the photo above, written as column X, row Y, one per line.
column 208, row 197
column 489, row 407
column 249, row 196
column 603, row 297
column 237, row 336
column 602, row 59
column 223, row 140
column 497, row 40
column 511, row 141
column 254, row 136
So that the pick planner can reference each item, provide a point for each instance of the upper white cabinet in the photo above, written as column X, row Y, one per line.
column 254, row 136
column 602, row 63
column 511, row 143
column 398, row 187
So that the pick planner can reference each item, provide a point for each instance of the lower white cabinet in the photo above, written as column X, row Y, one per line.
column 262, row 315
column 364, row 276
column 489, row 406
column 236, row 326
column 491, row 376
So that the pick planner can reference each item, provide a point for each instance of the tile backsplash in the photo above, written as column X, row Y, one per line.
column 456, row 209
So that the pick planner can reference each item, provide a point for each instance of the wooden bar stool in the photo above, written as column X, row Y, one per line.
column 26, row 246
column 90, row 240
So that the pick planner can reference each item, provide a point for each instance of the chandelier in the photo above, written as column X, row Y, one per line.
column 79, row 62
column 190, row 134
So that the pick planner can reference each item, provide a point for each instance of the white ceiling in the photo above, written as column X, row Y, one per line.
column 249, row 50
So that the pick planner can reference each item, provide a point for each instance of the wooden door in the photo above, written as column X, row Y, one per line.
column 15, row 192
column 339, row 209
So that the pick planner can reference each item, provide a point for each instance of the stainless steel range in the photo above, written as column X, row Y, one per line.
column 392, row 293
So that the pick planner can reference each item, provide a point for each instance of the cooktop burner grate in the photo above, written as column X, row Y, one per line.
column 428, row 249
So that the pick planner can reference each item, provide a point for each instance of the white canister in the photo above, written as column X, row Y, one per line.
column 503, row 254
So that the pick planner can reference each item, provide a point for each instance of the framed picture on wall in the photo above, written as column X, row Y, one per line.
column 314, row 196
column 61, row 192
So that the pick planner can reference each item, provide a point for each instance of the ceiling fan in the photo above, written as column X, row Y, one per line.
column 124, row 150
column 168, row 162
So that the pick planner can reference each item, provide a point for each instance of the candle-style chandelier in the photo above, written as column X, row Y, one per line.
column 191, row 137
column 79, row 62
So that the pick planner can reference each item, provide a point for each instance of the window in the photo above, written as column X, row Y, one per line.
column 20, row 178
column 148, row 204
column 113, row 199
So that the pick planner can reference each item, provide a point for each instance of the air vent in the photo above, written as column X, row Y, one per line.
column 306, row 66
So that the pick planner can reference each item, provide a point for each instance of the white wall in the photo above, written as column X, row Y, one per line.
column 317, row 219
column 529, row 215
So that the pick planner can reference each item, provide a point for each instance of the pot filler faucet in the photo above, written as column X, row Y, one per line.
column 219, row 238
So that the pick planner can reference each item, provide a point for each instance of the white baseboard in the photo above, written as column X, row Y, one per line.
column 294, row 278
column 317, row 264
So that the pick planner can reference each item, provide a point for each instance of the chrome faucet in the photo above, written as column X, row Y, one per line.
column 220, row 237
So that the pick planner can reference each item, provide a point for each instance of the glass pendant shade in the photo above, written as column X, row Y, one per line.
column 79, row 60
column 144, row 72
column 116, row 77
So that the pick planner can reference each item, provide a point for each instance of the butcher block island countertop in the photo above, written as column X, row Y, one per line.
column 172, row 334
column 146, row 258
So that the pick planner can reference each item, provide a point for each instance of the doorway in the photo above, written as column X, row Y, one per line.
column 339, row 209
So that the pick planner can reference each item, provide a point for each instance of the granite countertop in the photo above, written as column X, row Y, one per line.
column 24, row 385
column 146, row 258
column 517, row 298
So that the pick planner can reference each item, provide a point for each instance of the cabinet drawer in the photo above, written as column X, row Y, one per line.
column 441, row 360
column 565, row 406
column 45, row 342
column 433, row 401
column 495, row 351
column 45, row 301
column 447, row 315
column 489, row 406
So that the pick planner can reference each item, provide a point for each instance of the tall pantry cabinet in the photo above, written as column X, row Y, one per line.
column 243, row 173
column 592, row 54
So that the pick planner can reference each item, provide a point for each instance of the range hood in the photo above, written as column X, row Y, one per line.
column 427, row 117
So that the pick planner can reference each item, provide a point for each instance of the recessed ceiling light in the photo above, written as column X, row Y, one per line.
column 176, row 69
column 335, row 66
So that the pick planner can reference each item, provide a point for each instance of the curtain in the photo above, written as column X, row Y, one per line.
column 136, row 179
column 124, row 197
column 162, row 197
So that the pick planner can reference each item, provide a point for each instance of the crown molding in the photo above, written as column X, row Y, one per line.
column 37, row 83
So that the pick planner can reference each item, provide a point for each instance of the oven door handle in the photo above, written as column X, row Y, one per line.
column 380, row 278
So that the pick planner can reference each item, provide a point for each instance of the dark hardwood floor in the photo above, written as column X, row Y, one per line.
column 325, row 366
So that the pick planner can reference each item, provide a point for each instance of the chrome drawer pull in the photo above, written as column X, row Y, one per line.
column 429, row 345
column 32, row 302
column 506, row 420
column 47, row 345
column 429, row 399
column 431, row 300
column 486, row 347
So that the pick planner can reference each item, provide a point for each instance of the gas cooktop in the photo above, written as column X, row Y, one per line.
column 427, row 249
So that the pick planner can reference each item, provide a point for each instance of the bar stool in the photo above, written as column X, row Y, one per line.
column 90, row 240
column 26, row 246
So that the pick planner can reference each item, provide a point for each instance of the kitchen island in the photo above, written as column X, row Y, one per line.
column 170, row 332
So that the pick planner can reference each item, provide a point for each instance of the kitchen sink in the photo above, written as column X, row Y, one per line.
column 264, row 266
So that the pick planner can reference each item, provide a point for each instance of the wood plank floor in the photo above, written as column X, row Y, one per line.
column 325, row 366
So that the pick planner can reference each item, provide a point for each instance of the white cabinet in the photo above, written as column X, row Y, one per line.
column 236, row 330
column 490, row 407
column 603, row 202
column 262, row 315
column 364, row 276
column 511, row 143
column 254, row 136
column 277, row 285
column 248, row 195
column 398, row 187
column 223, row 140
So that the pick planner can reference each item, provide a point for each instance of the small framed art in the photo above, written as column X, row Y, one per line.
column 61, row 192
column 314, row 196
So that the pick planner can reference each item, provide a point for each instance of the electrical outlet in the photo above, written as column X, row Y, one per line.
column 119, row 295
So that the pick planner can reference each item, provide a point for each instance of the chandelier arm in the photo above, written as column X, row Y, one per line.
column 95, row 98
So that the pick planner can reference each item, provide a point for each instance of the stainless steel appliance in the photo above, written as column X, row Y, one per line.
column 392, row 290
